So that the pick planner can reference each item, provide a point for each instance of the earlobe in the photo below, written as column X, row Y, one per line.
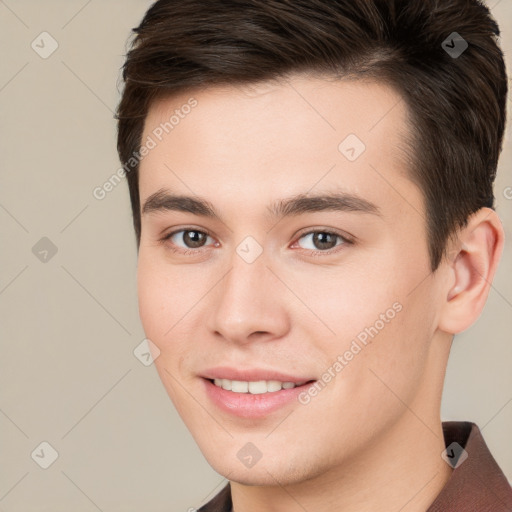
column 472, row 269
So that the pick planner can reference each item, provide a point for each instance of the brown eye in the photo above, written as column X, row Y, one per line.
column 187, row 239
column 193, row 239
column 323, row 240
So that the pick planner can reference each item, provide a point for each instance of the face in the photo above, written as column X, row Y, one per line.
column 250, row 279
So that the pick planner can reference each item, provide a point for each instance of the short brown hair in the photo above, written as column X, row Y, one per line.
column 456, row 102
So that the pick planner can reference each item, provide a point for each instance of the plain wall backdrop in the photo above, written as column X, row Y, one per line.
column 68, row 373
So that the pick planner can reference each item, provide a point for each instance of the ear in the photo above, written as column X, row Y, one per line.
column 472, row 264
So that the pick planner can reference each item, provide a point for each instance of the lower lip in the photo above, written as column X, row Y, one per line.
column 247, row 405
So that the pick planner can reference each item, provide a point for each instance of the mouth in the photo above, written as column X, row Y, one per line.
column 254, row 399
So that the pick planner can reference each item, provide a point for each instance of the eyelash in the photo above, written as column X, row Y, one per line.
column 314, row 253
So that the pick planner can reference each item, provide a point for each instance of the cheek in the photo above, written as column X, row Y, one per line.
column 162, row 311
column 348, row 299
column 393, row 365
column 150, row 292
column 161, row 298
column 383, row 329
column 169, row 299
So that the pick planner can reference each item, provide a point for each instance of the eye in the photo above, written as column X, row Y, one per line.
column 193, row 240
column 322, row 241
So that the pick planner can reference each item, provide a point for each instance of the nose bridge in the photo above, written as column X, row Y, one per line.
column 244, row 287
column 245, row 301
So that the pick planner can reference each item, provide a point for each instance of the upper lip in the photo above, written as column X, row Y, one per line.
column 251, row 375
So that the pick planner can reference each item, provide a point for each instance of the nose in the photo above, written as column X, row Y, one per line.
column 249, row 303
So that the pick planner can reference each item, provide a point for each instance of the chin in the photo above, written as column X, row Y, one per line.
column 271, row 473
column 252, row 480
column 261, row 477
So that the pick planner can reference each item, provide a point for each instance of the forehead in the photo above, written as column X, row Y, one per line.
column 313, row 104
column 288, row 137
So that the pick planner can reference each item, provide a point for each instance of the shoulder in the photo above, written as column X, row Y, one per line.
column 220, row 503
column 477, row 482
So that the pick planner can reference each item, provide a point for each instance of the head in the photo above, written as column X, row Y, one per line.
column 233, row 116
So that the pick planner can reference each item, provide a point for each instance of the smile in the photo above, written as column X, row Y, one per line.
column 253, row 399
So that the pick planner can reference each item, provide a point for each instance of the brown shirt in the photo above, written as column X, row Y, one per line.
column 477, row 484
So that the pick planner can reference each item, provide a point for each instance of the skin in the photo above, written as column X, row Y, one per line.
column 372, row 437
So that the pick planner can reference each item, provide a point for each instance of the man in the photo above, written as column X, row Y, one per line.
column 311, row 184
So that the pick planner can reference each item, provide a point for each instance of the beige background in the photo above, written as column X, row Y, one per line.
column 69, row 326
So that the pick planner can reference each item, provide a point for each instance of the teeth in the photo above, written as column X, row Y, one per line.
column 274, row 385
column 239, row 386
column 255, row 387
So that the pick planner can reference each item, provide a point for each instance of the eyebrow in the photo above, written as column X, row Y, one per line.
column 163, row 200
